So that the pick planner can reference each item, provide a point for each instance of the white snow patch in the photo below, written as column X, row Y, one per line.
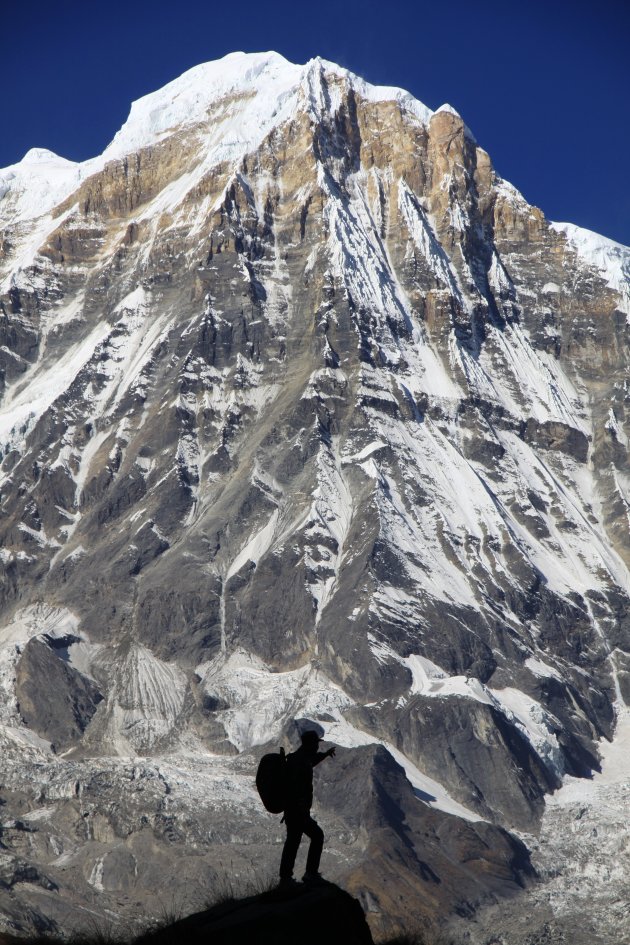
column 527, row 715
column 260, row 701
column 95, row 878
column 328, row 524
column 39, row 388
column 615, row 764
column 448, row 109
column 364, row 453
column 38, row 619
column 613, row 426
column 611, row 258
column 145, row 699
column 256, row 547
column 538, row 668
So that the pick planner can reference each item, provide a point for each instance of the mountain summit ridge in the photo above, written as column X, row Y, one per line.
column 274, row 81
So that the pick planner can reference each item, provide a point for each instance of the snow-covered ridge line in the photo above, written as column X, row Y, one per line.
column 611, row 258
column 37, row 183
column 270, row 87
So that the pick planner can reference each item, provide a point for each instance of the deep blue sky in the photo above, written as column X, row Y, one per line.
column 543, row 84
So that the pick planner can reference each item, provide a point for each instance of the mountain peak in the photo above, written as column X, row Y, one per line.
column 236, row 100
column 43, row 156
column 304, row 415
column 267, row 78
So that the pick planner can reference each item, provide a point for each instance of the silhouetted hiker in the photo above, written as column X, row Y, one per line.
column 297, row 811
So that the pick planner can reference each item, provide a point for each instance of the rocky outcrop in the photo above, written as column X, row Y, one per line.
column 414, row 859
column 54, row 699
column 325, row 913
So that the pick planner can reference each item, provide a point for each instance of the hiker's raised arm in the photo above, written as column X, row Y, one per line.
column 323, row 754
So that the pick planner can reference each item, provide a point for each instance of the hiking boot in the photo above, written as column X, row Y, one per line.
column 288, row 882
column 313, row 879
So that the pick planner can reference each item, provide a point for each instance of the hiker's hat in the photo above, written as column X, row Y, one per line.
column 311, row 736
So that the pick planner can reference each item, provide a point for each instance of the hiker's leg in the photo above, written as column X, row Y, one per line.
column 289, row 852
column 312, row 829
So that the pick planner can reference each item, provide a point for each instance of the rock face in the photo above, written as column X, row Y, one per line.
column 54, row 699
column 582, row 855
column 306, row 414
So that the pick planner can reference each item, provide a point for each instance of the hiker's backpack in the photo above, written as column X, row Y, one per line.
column 271, row 781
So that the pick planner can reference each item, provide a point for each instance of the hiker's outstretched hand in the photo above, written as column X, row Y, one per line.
column 330, row 753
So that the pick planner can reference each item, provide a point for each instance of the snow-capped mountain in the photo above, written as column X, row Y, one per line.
column 306, row 414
